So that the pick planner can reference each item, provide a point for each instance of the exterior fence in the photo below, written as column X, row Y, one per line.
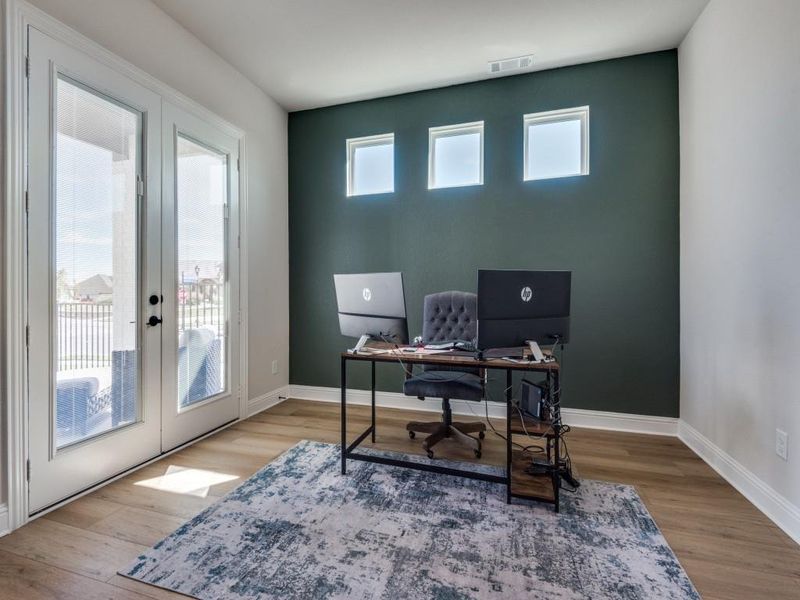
column 201, row 305
column 85, row 330
column 84, row 335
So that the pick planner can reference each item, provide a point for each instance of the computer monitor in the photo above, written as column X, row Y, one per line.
column 372, row 304
column 517, row 306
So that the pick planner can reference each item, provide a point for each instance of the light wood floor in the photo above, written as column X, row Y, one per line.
column 729, row 549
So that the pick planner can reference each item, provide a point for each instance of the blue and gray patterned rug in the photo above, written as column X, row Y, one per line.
column 299, row 529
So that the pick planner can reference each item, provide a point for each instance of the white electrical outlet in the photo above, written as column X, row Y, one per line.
column 782, row 444
column 274, row 367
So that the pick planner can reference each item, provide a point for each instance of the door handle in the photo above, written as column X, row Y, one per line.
column 153, row 321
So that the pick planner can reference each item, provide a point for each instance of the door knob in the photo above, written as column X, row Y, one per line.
column 153, row 321
column 154, row 299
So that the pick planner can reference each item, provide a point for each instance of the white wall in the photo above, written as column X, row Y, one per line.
column 740, row 233
column 2, row 266
column 141, row 33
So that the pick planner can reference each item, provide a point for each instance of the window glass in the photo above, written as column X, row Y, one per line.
column 97, row 152
column 456, row 156
column 370, row 167
column 202, row 197
column 556, row 144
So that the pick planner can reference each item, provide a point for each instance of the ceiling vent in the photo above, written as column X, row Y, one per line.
column 506, row 65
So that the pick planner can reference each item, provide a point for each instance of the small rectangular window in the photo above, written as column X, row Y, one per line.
column 370, row 165
column 455, row 155
column 557, row 143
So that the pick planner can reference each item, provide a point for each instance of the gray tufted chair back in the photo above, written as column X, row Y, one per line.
column 450, row 316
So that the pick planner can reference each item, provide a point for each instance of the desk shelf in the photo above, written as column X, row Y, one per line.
column 534, row 427
column 535, row 487
column 524, row 485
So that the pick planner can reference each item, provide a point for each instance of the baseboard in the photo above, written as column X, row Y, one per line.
column 591, row 419
column 614, row 421
column 4, row 524
column 775, row 506
column 265, row 401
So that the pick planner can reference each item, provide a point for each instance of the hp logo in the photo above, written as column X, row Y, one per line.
column 367, row 293
column 526, row 294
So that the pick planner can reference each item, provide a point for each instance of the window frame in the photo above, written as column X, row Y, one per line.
column 579, row 113
column 451, row 131
column 352, row 144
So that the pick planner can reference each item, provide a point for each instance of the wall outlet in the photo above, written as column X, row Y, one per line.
column 782, row 444
column 274, row 367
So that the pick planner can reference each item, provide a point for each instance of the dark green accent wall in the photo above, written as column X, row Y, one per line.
column 615, row 229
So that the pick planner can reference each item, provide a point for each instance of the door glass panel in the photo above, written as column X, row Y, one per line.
column 95, row 289
column 201, row 198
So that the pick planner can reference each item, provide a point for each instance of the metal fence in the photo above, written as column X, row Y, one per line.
column 84, row 335
column 201, row 305
column 85, row 330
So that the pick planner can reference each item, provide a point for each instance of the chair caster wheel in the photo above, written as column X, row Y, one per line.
column 481, row 435
column 430, row 453
column 412, row 435
column 477, row 453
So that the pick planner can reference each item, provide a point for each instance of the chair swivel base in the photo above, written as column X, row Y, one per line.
column 455, row 431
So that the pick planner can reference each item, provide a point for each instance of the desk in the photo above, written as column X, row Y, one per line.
column 516, row 487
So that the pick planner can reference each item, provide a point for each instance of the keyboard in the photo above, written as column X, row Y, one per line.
column 456, row 345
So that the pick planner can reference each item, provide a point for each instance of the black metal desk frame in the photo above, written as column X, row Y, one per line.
column 554, row 384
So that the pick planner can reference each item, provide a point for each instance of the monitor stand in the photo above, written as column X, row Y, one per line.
column 362, row 341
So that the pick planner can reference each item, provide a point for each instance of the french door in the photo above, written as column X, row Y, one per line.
column 132, row 275
column 200, row 336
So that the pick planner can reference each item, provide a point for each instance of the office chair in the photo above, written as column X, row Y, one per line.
column 448, row 316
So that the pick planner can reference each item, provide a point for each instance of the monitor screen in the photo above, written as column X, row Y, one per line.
column 517, row 306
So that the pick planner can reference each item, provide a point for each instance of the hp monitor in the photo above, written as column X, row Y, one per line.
column 372, row 304
column 517, row 306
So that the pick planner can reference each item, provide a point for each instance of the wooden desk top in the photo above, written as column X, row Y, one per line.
column 453, row 358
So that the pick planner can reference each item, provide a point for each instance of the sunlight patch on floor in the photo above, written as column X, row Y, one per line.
column 183, row 480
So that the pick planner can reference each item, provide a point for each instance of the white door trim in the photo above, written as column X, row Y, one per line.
column 15, row 307
column 19, row 15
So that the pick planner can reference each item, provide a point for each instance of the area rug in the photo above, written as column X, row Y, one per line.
column 299, row 529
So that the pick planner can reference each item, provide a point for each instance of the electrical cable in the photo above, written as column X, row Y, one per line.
column 523, row 448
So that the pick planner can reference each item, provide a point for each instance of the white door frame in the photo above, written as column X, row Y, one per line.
column 19, row 15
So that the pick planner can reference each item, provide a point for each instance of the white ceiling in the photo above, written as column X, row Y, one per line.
column 311, row 53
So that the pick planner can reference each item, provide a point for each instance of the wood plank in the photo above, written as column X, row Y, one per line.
column 84, row 512
column 139, row 526
column 71, row 548
column 717, row 580
column 762, row 557
column 178, row 505
column 25, row 579
column 144, row 590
